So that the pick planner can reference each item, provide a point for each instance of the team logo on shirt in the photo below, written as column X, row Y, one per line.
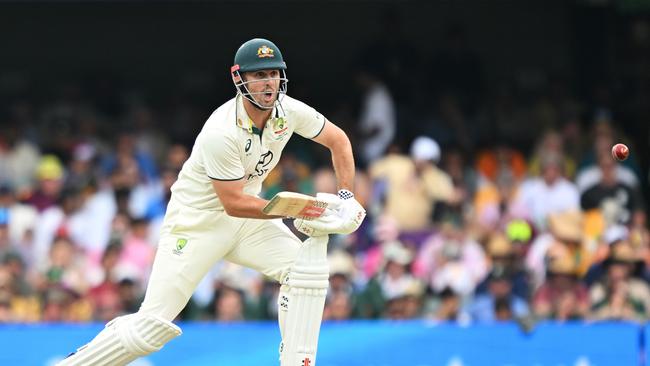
column 262, row 165
column 180, row 244
column 265, row 51
column 279, row 128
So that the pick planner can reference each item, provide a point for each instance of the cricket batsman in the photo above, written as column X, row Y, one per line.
column 215, row 213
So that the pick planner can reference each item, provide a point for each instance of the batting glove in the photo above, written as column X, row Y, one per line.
column 345, row 218
column 329, row 215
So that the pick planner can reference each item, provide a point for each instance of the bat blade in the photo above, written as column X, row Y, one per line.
column 293, row 204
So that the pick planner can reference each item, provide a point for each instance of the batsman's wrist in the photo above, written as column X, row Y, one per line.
column 344, row 194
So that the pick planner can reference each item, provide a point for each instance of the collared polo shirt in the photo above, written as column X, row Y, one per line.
column 230, row 147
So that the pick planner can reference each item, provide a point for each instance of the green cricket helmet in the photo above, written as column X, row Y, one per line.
column 255, row 55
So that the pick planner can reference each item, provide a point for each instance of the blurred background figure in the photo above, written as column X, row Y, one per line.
column 498, row 303
column 19, row 158
column 393, row 281
column 342, row 296
column 562, row 296
column 377, row 118
column 616, row 200
column 50, row 177
column 410, row 187
column 547, row 194
column 619, row 295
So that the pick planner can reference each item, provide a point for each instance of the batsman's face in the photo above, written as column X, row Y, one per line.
column 263, row 86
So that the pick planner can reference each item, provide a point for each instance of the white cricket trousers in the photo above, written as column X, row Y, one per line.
column 192, row 241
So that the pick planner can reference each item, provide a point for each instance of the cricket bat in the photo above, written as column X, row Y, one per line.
column 293, row 204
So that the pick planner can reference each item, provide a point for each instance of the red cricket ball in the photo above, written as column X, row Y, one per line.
column 620, row 152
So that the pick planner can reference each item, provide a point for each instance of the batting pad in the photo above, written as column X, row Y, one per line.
column 308, row 282
column 123, row 340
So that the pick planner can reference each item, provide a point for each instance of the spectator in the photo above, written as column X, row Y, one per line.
column 451, row 258
column 129, row 292
column 95, row 214
column 137, row 253
column 19, row 159
column 603, row 138
column 561, row 297
column 50, row 176
column 377, row 120
column 126, row 151
column 617, row 201
column 447, row 307
column 342, row 296
column 5, row 243
column 499, row 303
column 62, row 220
column 82, row 166
column 506, row 255
column 148, row 140
column 548, row 194
column 597, row 269
column 406, row 305
column 412, row 185
column 551, row 143
column 20, row 220
column 619, row 296
column 21, row 282
column 392, row 282
column 14, row 306
column 64, row 305
column 501, row 171
column 228, row 304
column 464, row 179
column 157, row 206
column 105, row 297
column 176, row 156
column 338, row 307
column 65, row 266
column 566, row 238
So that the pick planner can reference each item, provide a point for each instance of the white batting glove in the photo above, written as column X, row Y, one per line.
column 330, row 214
column 346, row 218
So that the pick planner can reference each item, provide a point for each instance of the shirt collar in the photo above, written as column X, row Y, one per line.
column 245, row 122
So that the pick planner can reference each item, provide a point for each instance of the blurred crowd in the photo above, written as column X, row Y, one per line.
column 484, row 203
column 559, row 233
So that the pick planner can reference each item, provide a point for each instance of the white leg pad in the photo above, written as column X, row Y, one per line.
column 308, row 281
column 123, row 340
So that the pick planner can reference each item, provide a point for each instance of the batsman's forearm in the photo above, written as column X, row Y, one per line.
column 343, row 162
column 248, row 207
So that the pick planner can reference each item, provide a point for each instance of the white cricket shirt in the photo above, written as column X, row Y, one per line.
column 230, row 147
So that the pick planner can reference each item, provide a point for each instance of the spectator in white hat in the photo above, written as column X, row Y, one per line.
column 412, row 185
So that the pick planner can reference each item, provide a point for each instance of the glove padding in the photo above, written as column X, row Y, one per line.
column 343, row 216
column 330, row 213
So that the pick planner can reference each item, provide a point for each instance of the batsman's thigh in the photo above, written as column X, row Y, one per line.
column 267, row 246
column 195, row 241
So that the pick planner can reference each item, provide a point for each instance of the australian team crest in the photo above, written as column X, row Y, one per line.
column 280, row 128
column 265, row 51
column 180, row 244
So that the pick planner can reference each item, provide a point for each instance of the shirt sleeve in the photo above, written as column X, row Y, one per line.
column 309, row 123
column 221, row 157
